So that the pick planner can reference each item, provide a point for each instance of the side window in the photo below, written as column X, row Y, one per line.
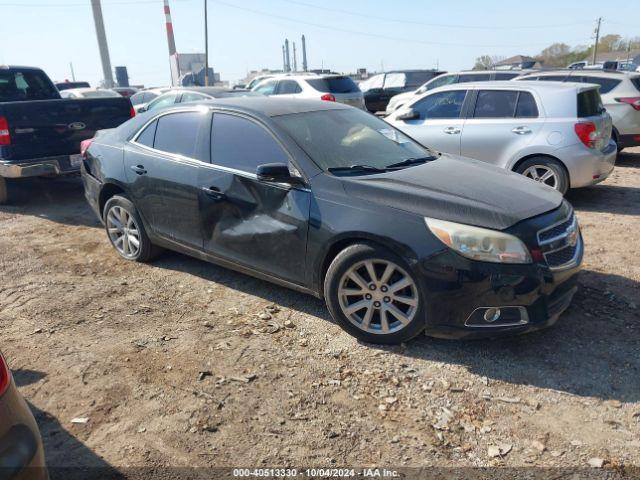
column 471, row 77
column 191, row 97
column 441, row 105
column 395, row 80
column 288, row 87
column 267, row 88
column 178, row 133
column 505, row 76
column 527, row 107
column 239, row 143
column 440, row 81
column 163, row 101
column 148, row 134
column 553, row 78
column 495, row 104
column 606, row 84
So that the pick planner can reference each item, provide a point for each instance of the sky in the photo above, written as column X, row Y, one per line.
column 342, row 35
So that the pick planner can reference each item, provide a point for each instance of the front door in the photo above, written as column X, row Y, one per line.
column 440, row 123
column 260, row 225
column 162, row 166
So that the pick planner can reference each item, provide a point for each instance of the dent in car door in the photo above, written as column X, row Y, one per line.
column 441, row 121
column 501, row 123
column 258, row 224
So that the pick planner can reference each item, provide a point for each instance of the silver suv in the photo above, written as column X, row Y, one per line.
column 620, row 92
column 558, row 134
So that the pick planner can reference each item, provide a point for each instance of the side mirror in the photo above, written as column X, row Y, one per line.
column 142, row 108
column 278, row 173
column 410, row 114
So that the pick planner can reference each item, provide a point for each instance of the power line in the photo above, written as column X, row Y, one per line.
column 369, row 34
column 426, row 24
column 84, row 4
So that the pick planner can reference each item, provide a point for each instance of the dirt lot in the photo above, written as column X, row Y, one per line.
column 182, row 363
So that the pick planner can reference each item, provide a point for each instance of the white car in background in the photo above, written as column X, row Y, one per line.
column 331, row 88
column 141, row 99
column 555, row 133
column 620, row 92
column 88, row 93
column 398, row 101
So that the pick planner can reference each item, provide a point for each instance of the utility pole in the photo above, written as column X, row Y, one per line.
column 102, row 43
column 206, row 46
column 595, row 46
column 73, row 75
column 304, row 54
column 295, row 59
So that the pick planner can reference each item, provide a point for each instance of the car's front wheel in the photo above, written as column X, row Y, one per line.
column 126, row 231
column 373, row 295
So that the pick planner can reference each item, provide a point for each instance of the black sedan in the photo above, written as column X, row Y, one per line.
column 329, row 200
column 21, row 453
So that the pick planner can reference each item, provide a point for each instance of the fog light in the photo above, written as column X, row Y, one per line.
column 492, row 314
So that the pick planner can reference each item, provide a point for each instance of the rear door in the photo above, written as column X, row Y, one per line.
column 440, row 123
column 260, row 225
column 500, row 123
column 288, row 88
column 162, row 164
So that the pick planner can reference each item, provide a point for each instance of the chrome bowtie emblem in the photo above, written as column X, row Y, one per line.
column 77, row 126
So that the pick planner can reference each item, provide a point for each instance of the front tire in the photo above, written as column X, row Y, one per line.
column 373, row 294
column 547, row 171
column 126, row 231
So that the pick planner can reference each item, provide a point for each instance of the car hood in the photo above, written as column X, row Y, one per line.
column 460, row 190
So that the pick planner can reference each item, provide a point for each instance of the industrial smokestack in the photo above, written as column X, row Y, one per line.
column 169, row 23
column 287, row 67
column 102, row 43
column 295, row 59
column 284, row 59
column 304, row 54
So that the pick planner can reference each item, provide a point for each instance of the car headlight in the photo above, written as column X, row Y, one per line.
column 480, row 243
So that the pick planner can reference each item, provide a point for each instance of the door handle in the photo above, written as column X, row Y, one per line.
column 214, row 192
column 521, row 130
column 452, row 130
column 139, row 169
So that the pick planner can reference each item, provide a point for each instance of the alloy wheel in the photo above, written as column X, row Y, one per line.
column 542, row 174
column 123, row 231
column 378, row 296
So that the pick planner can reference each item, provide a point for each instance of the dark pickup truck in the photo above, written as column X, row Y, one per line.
column 40, row 133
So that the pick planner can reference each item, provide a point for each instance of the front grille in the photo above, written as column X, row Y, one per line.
column 553, row 232
column 562, row 256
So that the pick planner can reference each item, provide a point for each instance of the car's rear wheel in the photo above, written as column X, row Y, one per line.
column 373, row 295
column 547, row 171
column 126, row 232
column 4, row 191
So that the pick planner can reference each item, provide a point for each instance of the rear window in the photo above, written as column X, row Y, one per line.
column 472, row 77
column 506, row 76
column 636, row 82
column 178, row 133
column 19, row 85
column 334, row 85
column 589, row 103
column 606, row 84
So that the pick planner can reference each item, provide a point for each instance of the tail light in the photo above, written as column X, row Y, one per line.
column 5, row 376
column 84, row 146
column 587, row 133
column 328, row 97
column 633, row 101
column 5, row 137
column 132, row 112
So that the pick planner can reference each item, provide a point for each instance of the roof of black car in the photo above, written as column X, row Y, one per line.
column 273, row 107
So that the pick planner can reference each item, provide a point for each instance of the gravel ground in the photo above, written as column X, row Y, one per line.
column 180, row 363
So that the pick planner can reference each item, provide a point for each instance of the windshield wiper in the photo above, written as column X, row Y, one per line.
column 364, row 168
column 410, row 161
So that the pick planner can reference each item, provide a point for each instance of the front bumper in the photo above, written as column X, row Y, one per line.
column 588, row 166
column 40, row 167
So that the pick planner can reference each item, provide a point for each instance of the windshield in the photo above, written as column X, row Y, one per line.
column 337, row 139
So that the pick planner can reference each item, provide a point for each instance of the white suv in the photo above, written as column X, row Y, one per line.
column 620, row 92
column 555, row 133
column 331, row 88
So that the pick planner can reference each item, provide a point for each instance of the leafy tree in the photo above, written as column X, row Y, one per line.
column 486, row 62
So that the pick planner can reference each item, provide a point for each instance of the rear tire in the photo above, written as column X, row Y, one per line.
column 126, row 231
column 368, row 307
column 545, row 170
